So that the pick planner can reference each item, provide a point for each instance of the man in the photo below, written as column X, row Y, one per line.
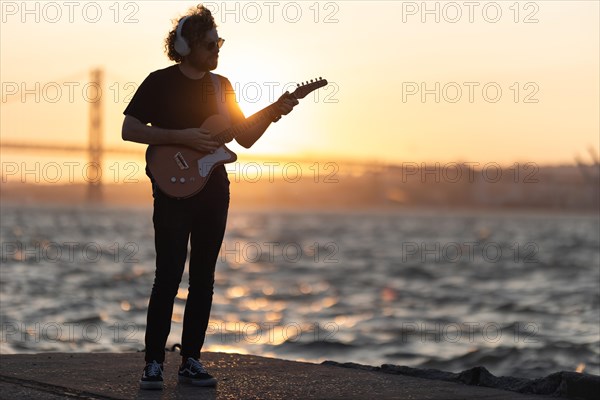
column 175, row 101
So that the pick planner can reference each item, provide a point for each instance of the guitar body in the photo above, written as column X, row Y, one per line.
column 181, row 171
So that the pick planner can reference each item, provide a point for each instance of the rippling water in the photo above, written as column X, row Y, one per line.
column 517, row 293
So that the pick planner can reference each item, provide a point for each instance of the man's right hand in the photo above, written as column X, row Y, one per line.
column 197, row 138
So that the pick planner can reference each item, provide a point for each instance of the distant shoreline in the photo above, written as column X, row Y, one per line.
column 325, row 209
column 263, row 198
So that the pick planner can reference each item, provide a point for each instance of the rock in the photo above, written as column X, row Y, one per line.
column 572, row 385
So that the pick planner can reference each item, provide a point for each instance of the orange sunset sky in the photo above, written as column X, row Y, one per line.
column 515, row 81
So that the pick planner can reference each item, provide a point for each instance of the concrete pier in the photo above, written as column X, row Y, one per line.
column 116, row 375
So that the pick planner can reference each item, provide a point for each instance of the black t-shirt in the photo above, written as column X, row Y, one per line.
column 170, row 100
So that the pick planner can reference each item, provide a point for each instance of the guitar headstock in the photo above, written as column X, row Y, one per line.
column 305, row 88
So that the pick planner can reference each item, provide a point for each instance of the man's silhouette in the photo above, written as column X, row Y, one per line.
column 169, row 107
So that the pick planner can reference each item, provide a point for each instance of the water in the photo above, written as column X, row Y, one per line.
column 517, row 293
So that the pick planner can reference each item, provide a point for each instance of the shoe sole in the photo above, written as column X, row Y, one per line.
column 151, row 385
column 197, row 382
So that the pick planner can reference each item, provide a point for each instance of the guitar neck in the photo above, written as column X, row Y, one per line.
column 266, row 114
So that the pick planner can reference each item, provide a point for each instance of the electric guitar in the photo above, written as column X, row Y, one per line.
column 181, row 172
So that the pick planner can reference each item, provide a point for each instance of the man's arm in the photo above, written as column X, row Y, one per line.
column 135, row 131
column 285, row 105
column 248, row 138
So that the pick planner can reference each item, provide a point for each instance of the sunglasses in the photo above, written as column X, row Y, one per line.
column 210, row 46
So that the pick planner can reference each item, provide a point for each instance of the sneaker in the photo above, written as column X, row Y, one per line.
column 153, row 376
column 193, row 372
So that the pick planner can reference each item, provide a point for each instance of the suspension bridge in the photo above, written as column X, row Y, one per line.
column 380, row 174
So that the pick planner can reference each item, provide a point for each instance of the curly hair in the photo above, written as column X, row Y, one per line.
column 200, row 21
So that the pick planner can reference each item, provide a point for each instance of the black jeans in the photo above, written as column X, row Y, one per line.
column 200, row 219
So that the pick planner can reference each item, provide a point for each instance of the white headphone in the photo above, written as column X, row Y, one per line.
column 181, row 45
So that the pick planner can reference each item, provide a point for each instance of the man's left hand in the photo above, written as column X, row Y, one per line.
column 286, row 103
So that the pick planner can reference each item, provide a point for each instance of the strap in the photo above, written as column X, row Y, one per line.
column 221, row 105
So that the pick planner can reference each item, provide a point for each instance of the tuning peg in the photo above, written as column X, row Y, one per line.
column 320, row 78
column 297, row 85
